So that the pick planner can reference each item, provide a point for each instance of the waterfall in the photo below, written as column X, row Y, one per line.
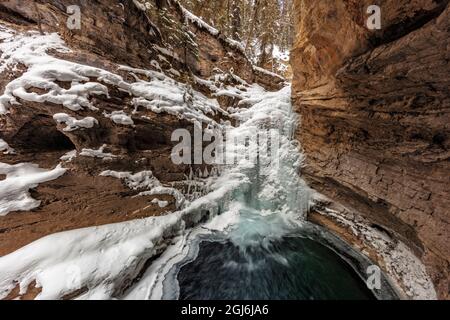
column 257, row 199
column 276, row 198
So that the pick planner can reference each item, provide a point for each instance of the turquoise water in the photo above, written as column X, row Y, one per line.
column 290, row 268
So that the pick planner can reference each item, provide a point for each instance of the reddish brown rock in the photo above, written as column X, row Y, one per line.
column 375, row 109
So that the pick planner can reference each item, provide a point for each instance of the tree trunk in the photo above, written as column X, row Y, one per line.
column 236, row 20
column 253, row 23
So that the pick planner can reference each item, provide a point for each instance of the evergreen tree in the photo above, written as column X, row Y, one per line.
column 259, row 24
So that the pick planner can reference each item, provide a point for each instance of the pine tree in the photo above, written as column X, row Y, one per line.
column 259, row 24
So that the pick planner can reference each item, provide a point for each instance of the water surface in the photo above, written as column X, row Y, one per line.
column 290, row 268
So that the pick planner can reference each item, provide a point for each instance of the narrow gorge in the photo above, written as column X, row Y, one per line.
column 146, row 154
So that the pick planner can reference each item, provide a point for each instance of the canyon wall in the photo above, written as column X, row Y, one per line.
column 375, row 116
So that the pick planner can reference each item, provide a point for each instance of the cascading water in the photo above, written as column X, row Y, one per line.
column 257, row 243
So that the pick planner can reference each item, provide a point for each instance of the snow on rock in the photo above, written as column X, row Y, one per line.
column 174, row 72
column 140, row 180
column 31, row 50
column 67, row 157
column 400, row 262
column 119, row 117
column 141, row 6
column 180, row 200
column 198, row 22
column 161, row 203
column 14, row 195
column 167, row 52
column 146, row 180
column 5, row 148
column 267, row 72
column 99, row 153
column 98, row 258
column 279, row 54
column 72, row 123
column 18, row 48
column 160, row 94
column 163, row 94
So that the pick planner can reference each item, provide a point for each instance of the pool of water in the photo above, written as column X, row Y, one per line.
column 288, row 268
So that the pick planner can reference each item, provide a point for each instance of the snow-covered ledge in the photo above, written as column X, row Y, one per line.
column 407, row 273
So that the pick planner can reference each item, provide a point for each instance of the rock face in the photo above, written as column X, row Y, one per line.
column 134, row 133
column 375, row 113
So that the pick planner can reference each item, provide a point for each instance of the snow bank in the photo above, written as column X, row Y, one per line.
column 31, row 50
column 163, row 94
column 283, row 55
column 14, row 195
column 96, row 258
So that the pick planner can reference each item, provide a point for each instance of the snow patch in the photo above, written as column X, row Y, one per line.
column 267, row 72
column 160, row 203
column 14, row 195
column 146, row 180
column 67, row 157
column 74, row 124
column 5, row 148
column 97, row 153
column 140, row 180
column 120, row 117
